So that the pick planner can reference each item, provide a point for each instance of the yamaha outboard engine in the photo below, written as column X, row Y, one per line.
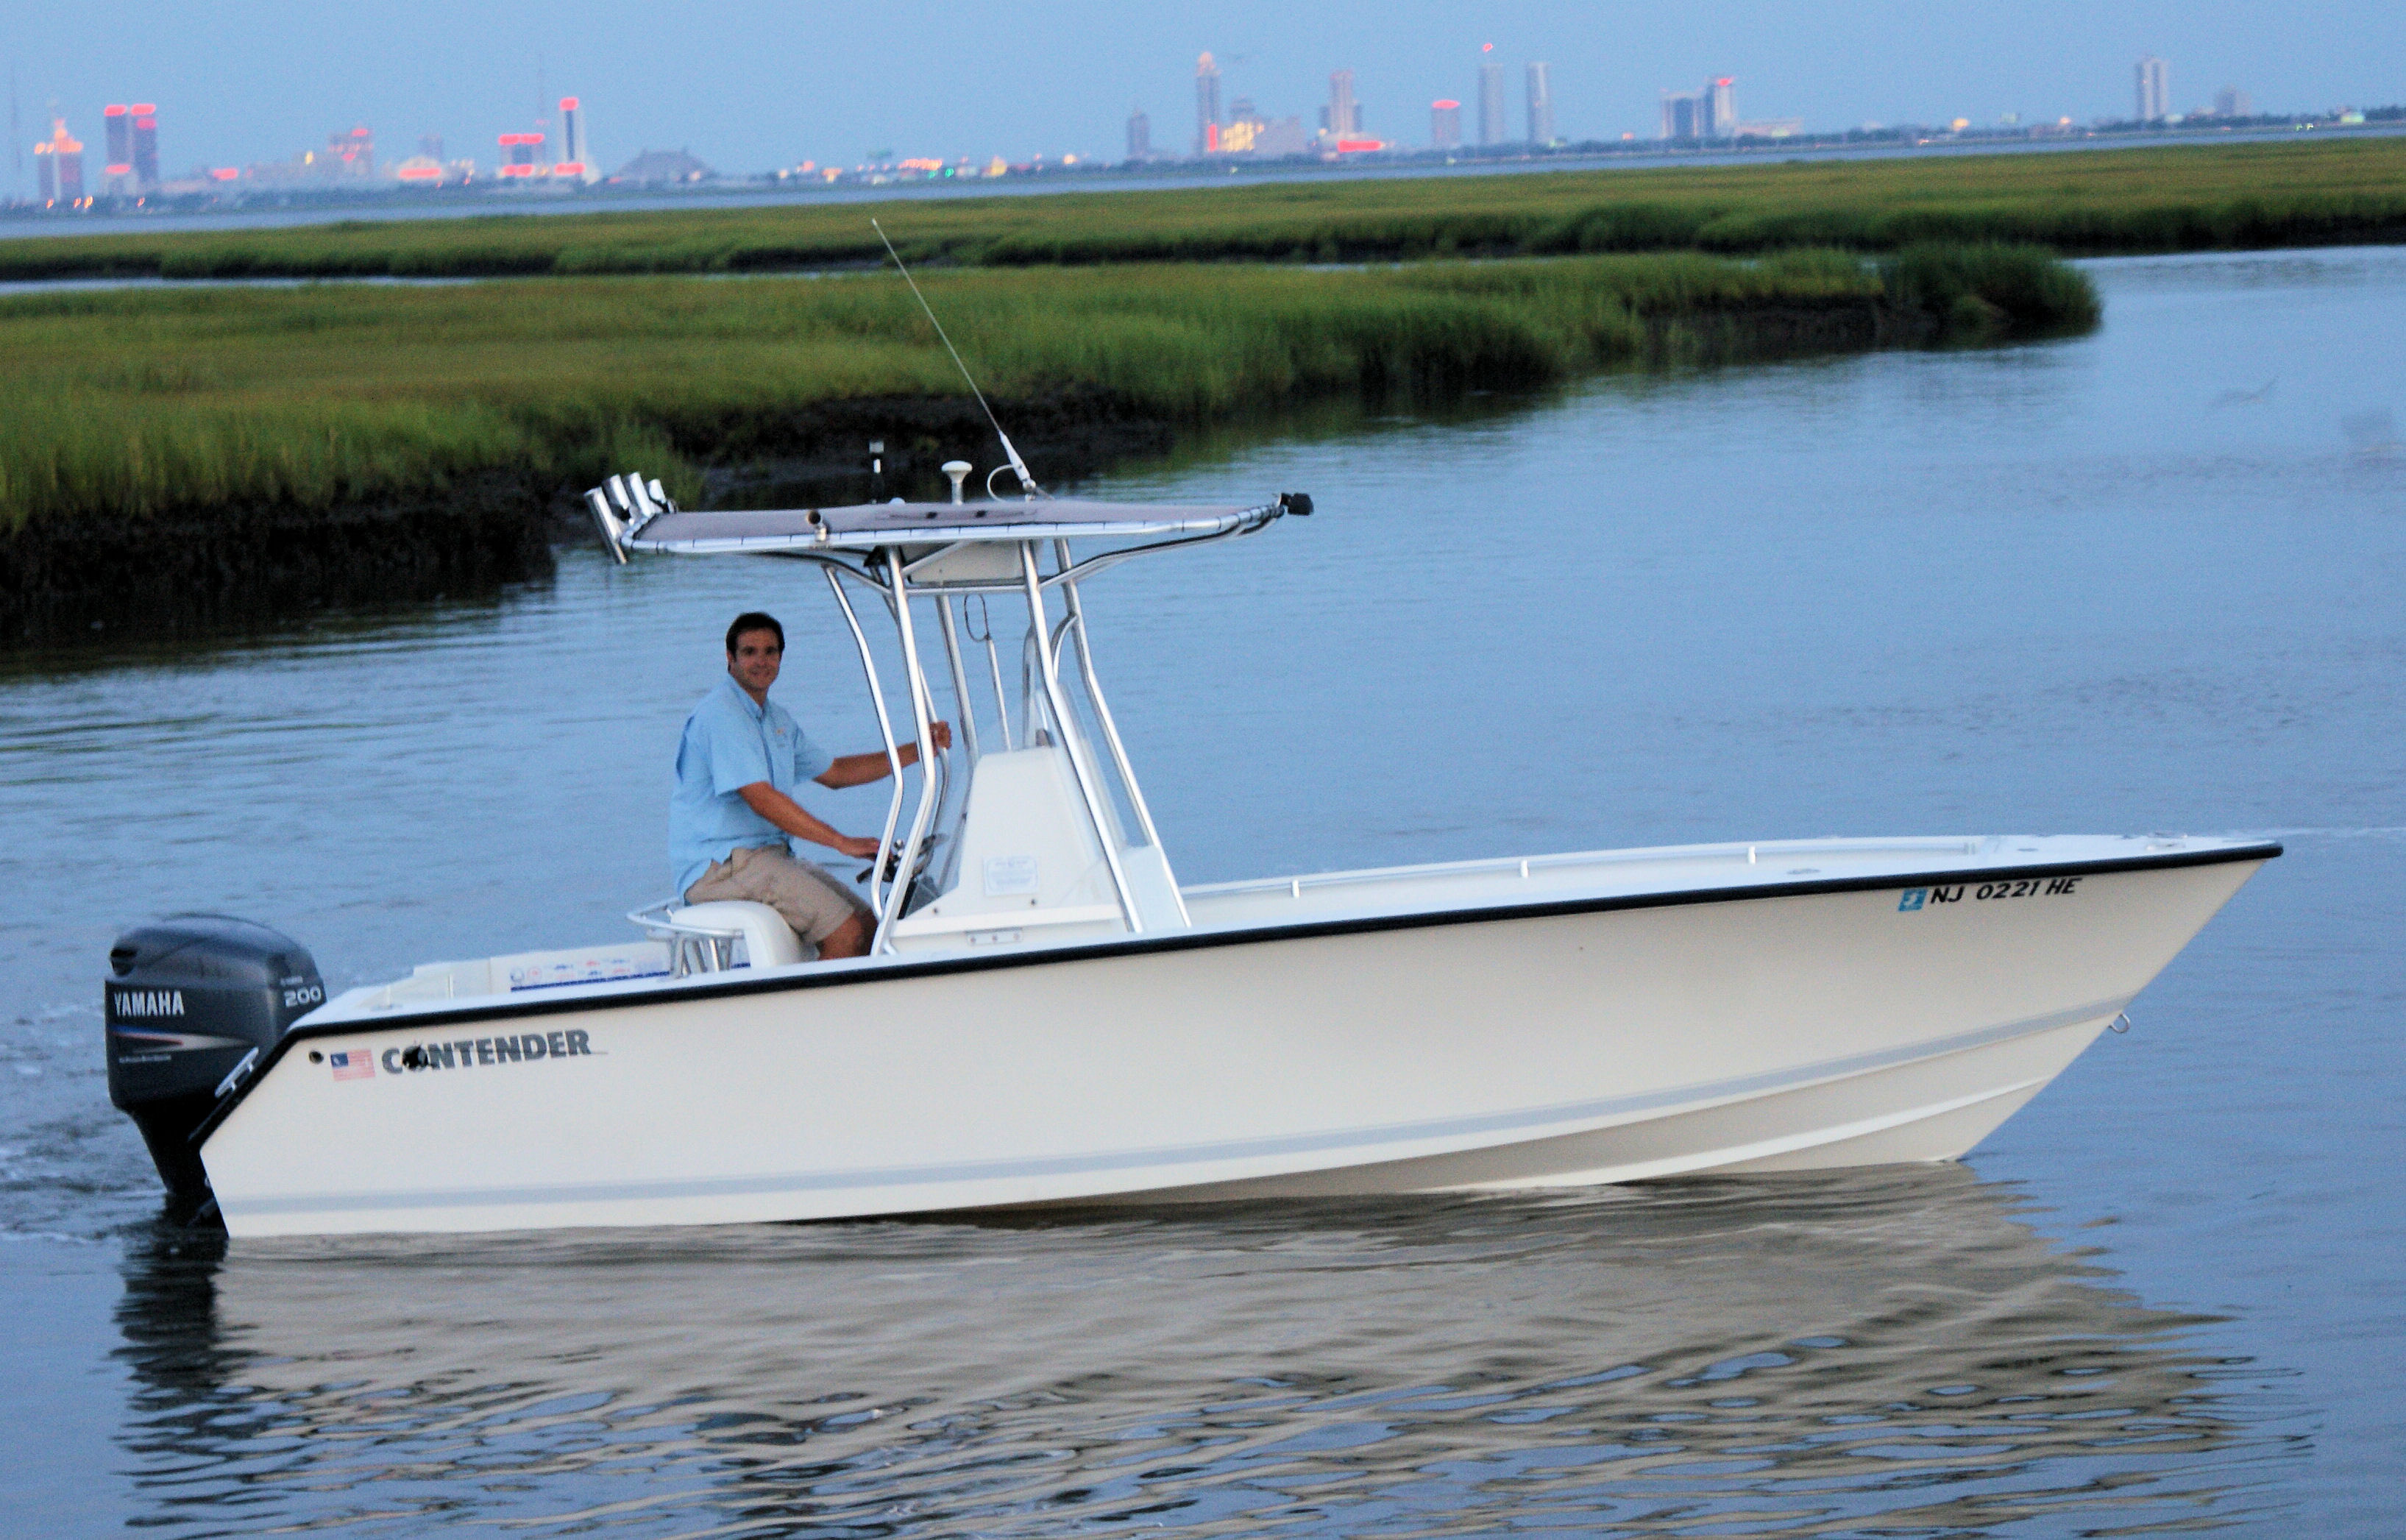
column 188, row 1002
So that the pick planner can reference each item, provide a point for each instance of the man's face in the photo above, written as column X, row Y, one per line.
column 755, row 661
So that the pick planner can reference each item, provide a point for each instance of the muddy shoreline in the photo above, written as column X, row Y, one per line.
column 202, row 568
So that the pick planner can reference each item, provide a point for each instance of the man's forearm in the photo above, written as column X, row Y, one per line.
column 858, row 769
column 790, row 815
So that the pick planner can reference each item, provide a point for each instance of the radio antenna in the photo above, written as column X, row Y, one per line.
column 1019, row 467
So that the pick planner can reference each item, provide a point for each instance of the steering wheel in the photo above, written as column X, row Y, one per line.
column 893, row 856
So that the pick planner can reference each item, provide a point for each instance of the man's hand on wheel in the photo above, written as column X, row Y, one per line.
column 857, row 845
column 942, row 732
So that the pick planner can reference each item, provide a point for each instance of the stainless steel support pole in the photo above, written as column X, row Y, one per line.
column 960, row 678
column 899, row 892
column 1111, row 729
column 1086, row 788
column 884, row 728
column 994, row 666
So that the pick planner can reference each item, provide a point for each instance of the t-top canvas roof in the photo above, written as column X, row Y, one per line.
column 867, row 526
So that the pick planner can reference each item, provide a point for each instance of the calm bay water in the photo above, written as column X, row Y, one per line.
column 2150, row 579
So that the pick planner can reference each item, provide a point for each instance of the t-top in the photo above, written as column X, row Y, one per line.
column 731, row 743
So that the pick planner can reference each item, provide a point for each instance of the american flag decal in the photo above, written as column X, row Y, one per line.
column 355, row 1063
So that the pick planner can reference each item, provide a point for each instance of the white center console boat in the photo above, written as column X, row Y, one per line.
column 1047, row 1015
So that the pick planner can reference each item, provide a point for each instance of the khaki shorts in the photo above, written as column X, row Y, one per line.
column 811, row 902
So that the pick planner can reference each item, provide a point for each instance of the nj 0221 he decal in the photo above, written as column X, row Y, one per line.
column 2020, row 888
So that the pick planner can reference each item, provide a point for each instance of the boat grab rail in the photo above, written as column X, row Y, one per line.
column 1527, row 866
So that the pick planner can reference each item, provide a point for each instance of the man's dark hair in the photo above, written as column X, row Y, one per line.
column 753, row 620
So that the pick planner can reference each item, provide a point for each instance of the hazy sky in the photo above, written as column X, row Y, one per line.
column 751, row 85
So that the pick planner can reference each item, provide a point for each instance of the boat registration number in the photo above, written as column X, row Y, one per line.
column 2018, row 887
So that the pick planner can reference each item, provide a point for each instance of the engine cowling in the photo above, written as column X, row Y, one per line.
column 188, row 999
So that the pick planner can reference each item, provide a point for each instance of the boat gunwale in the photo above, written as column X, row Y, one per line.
column 883, row 970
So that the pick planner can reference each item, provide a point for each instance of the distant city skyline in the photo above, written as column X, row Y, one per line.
column 747, row 89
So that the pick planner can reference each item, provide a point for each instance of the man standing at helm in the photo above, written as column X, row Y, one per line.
column 733, row 811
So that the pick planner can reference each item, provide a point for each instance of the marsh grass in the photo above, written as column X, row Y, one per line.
column 2087, row 202
column 126, row 404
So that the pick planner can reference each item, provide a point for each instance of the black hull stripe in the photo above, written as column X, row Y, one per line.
column 1194, row 940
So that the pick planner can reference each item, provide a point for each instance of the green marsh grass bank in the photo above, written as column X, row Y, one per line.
column 2084, row 202
column 248, row 437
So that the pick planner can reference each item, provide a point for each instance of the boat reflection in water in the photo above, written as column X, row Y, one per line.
column 1785, row 1355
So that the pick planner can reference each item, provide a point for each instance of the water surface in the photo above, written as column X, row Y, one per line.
column 2151, row 579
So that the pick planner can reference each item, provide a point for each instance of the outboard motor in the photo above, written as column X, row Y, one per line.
column 188, row 1002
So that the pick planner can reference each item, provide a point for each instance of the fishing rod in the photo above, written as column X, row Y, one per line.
column 1019, row 467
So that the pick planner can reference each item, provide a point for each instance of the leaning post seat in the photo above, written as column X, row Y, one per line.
column 702, row 937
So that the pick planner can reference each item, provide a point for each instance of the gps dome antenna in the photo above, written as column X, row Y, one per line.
column 1019, row 467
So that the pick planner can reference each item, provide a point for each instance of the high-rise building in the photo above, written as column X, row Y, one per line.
column 1683, row 112
column 2231, row 102
column 519, row 155
column 146, row 145
column 61, row 160
column 1207, row 106
column 1541, row 105
column 429, row 147
column 1721, row 109
column 2155, row 90
column 1491, row 99
column 576, row 159
column 1139, row 135
column 118, row 170
column 1445, row 122
column 1342, row 116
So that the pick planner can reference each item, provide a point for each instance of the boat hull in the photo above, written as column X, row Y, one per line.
column 1558, row 1045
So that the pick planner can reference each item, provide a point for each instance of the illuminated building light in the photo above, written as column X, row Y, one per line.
column 1356, row 147
column 224, row 173
column 519, row 160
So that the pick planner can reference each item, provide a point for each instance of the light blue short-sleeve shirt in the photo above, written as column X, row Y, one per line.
column 730, row 743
